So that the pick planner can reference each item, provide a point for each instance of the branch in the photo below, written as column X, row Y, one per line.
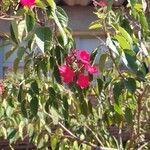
column 10, row 18
column 73, row 136
column 97, row 138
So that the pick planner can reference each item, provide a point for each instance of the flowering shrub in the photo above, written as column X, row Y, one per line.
column 53, row 102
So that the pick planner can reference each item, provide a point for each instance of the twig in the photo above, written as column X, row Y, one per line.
column 97, row 138
column 139, row 100
column 10, row 18
column 138, row 112
column 94, row 146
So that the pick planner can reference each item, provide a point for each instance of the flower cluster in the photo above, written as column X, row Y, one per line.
column 77, row 68
column 101, row 3
column 28, row 3
column 1, row 89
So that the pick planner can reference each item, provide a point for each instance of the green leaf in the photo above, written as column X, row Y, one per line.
column 12, row 133
column 111, row 45
column 20, row 94
column 30, row 22
column 58, row 21
column 128, row 115
column 24, row 109
column 62, row 17
column 96, row 25
column 43, row 37
column 132, row 2
column 54, row 116
column 117, row 89
column 66, row 107
column 34, row 104
column 124, row 39
column 54, row 141
column 16, row 64
column 144, row 25
column 56, row 74
column 60, row 28
column 102, row 61
column 20, row 52
column 14, row 31
column 51, row 92
column 118, row 108
column 130, row 60
column 93, row 55
column 40, row 4
column 58, row 55
column 100, row 86
column 10, row 52
column 34, row 87
column 83, row 105
column 21, row 29
column 130, row 84
column 52, row 4
column 126, row 25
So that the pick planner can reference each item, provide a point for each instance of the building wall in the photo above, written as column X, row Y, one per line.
column 79, row 20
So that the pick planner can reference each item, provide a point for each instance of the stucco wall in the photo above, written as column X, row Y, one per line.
column 79, row 19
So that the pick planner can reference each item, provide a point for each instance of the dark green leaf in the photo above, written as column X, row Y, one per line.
column 117, row 90
column 14, row 31
column 100, row 86
column 12, row 133
column 130, row 60
column 51, row 92
column 93, row 55
column 34, row 104
column 34, row 87
column 20, row 52
column 24, row 109
column 16, row 64
column 43, row 37
column 20, row 94
column 128, row 115
column 126, row 25
column 56, row 74
column 30, row 22
column 130, row 84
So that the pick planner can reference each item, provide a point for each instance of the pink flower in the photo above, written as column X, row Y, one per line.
column 84, row 56
column 91, row 69
column 102, row 3
column 28, row 2
column 66, row 73
column 1, row 89
column 83, row 81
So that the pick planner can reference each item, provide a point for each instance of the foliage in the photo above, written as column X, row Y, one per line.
column 36, row 104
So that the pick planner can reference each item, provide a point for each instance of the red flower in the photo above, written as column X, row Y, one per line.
column 28, row 2
column 83, row 81
column 91, row 69
column 84, row 56
column 1, row 89
column 102, row 3
column 66, row 73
